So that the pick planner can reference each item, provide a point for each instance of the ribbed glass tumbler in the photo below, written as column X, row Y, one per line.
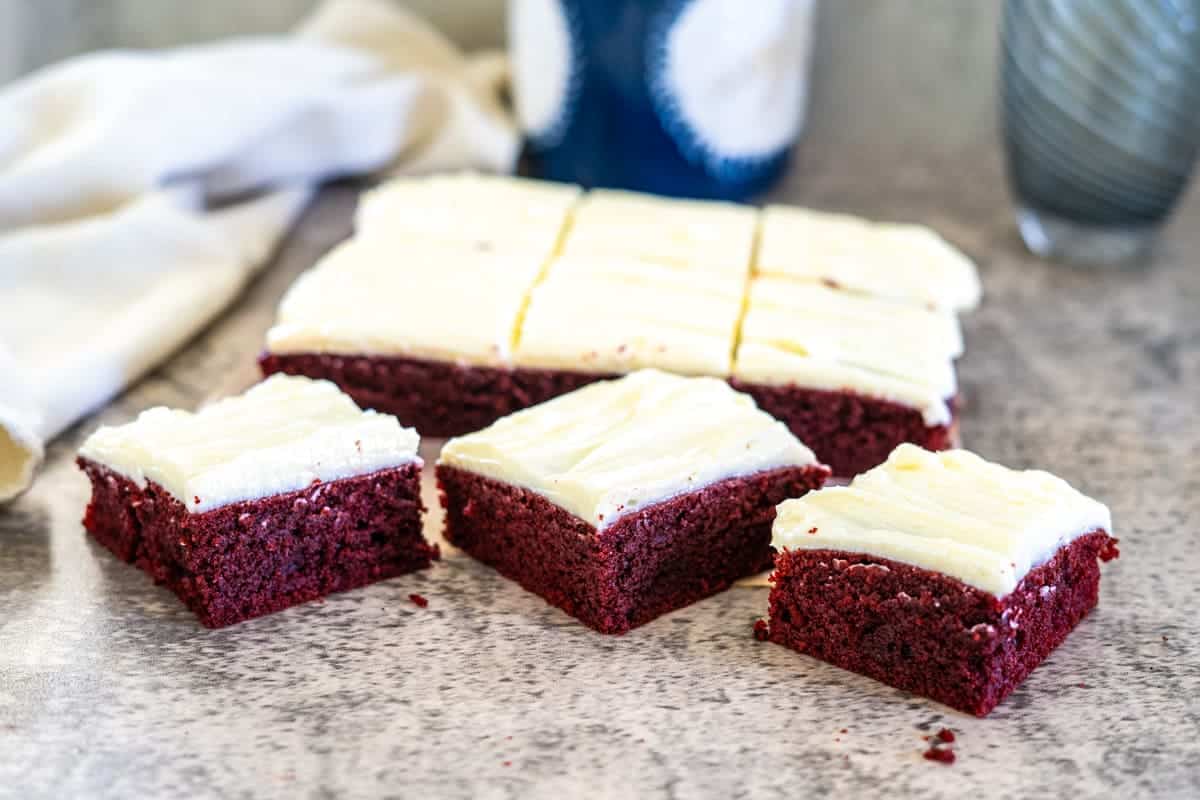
column 1100, row 101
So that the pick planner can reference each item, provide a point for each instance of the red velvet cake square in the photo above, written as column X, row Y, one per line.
column 941, row 574
column 625, row 499
column 852, row 376
column 417, row 315
column 259, row 502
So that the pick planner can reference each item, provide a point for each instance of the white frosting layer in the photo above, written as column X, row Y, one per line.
column 939, row 330
column 820, row 338
column 446, row 268
column 765, row 364
column 588, row 318
column 692, row 233
column 949, row 512
column 278, row 437
column 500, row 212
column 885, row 349
column 440, row 301
column 616, row 447
column 640, row 272
column 902, row 262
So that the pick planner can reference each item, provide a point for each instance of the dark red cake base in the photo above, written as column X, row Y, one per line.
column 929, row 633
column 438, row 398
column 848, row 431
column 645, row 564
column 252, row 558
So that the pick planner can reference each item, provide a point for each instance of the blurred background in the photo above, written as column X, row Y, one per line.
column 886, row 75
column 37, row 32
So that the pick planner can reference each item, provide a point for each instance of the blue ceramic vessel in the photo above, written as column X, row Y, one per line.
column 696, row 98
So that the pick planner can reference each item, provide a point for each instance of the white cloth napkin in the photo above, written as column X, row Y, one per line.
column 118, row 240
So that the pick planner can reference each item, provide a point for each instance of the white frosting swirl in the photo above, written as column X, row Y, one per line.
column 950, row 512
column 615, row 447
column 280, row 436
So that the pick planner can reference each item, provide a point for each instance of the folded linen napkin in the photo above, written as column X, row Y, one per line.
column 123, row 223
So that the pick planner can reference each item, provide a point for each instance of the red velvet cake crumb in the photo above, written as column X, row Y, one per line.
column 761, row 633
column 418, row 601
column 942, row 755
column 644, row 564
column 256, row 557
column 926, row 632
column 848, row 431
column 945, row 735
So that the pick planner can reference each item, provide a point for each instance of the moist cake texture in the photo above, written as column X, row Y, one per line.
column 258, row 502
column 939, row 573
column 626, row 498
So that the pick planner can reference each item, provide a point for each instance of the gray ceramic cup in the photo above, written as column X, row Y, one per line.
column 1100, row 102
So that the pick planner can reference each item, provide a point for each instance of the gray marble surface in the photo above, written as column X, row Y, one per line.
column 109, row 688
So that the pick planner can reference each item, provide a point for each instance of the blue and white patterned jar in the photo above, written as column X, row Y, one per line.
column 698, row 98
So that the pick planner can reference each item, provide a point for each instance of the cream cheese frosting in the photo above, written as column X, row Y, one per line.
column 439, row 301
column 910, row 263
column 503, row 272
column 698, row 234
column 769, row 365
column 280, row 436
column 495, row 211
column 615, row 447
column 890, row 350
column 940, row 329
column 639, row 271
column 950, row 512
column 597, row 320
column 821, row 338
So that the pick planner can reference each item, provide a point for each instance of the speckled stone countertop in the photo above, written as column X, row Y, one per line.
column 110, row 689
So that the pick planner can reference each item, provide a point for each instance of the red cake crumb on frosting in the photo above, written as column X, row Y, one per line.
column 418, row 600
column 761, row 633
